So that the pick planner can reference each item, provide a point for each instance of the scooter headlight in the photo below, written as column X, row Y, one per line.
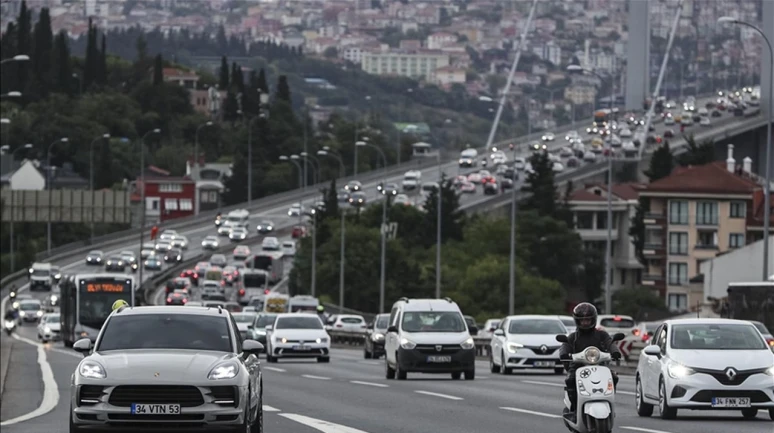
column 592, row 355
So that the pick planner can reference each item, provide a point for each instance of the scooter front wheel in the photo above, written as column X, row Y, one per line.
column 603, row 425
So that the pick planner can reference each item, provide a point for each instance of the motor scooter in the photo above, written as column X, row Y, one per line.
column 595, row 391
column 9, row 326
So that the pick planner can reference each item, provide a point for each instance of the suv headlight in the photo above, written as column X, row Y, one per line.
column 407, row 344
column 468, row 344
column 227, row 370
column 91, row 370
column 321, row 340
column 513, row 347
column 677, row 371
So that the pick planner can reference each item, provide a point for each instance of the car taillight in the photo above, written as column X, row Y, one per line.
column 241, row 292
column 195, row 275
column 169, row 299
column 636, row 331
column 770, row 341
column 266, row 291
column 185, row 300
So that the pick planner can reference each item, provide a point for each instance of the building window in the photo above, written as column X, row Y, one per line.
column 170, row 204
column 584, row 220
column 707, row 213
column 678, row 274
column 738, row 209
column 170, row 187
column 736, row 240
column 623, row 276
column 678, row 212
column 707, row 239
column 601, row 220
column 678, row 243
column 186, row 204
column 677, row 301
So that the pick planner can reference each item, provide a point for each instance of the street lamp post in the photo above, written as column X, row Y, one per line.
column 48, row 187
column 326, row 151
column 143, row 206
column 91, row 179
column 317, row 174
column 609, row 219
column 196, row 148
column 768, row 162
column 512, row 261
column 314, row 238
column 3, row 150
column 438, row 230
column 382, row 271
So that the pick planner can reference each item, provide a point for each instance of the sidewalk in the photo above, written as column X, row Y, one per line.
column 6, row 347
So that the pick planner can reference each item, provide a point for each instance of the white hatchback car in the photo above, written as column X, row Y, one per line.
column 526, row 341
column 297, row 335
column 705, row 364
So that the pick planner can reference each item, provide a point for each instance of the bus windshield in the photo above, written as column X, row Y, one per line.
column 254, row 280
column 96, row 298
column 262, row 262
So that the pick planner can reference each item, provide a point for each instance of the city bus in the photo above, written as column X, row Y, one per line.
column 87, row 301
column 751, row 301
column 269, row 261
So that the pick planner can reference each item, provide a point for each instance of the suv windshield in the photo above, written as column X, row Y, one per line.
column 298, row 323
column 244, row 317
column 433, row 321
column 716, row 337
column 536, row 326
column 166, row 331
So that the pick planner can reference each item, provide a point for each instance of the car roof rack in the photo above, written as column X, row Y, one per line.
column 404, row 299
column 449, row 300
column 220, row 309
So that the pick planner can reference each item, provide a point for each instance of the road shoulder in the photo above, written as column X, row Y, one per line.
column 23, row 384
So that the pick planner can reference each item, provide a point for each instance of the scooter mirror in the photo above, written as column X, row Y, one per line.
column 562, row 338
column 619, row 336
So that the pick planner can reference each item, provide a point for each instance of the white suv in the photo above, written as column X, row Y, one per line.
column 429, row 336
column 705, row 364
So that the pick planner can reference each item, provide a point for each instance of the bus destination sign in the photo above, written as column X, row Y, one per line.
column 105, row 288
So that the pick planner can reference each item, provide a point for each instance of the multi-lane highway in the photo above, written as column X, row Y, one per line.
column 351, row 395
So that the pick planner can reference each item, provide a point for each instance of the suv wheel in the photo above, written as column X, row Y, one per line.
column 470, row 374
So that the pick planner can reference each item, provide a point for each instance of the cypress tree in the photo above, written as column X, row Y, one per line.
column 661, row 163
column 158, row 70
column 8, row 49
column 224, row 73
column 41, row 57
column 283, row 89
column 90, row 64
column 63, row 78
column 262, row 84
column 540, row 184
column 237, row 79
column 23, row 43
column 102, row 77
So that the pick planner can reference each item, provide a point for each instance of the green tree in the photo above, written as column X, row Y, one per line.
column 637, row 228
column 158, row 70
column 593, row 274
column 236, row 185
column 549, row 248
column 62, row 68
column 102, row 63
column 661, row 163
column 90, row 69
column 697, row 154
column 230, row 107
column 237, row 79
column 452, row 218
column 541, row 187
column 23, row 43
column 223, row 83
column 283, row 89
column 41, row 58
column 262, row 84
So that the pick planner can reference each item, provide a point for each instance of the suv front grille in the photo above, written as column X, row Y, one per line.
column 90, row 394
column 185, row 396
column 433, row 348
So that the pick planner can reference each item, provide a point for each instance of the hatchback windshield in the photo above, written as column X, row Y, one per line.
column 166, row 331
column 536, row 326
column 716, row 337
column 382, row 321
column 433, row 321
column 264, row 320
column 244, row 317
column 30, row 306
column 298, row 323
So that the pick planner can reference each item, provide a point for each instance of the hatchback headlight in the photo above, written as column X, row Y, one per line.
column 678, row 371
column 513, row 347
column 770, row 371
column 91, row 370
column 227, row 370
column 468, row 344
column 321, row 340
column 407, row 344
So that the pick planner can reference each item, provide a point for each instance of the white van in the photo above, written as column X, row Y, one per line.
column 411, row 180
column 238, row 218
column 468, row 158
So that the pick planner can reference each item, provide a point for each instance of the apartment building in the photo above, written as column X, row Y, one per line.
column 589, row 206
column 696, row 214
column 414, row 64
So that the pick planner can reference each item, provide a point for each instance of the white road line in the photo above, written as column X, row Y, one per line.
column 318, row 424
column 531, row 412
column 267, row 408
column 309, row 376
column 646, row 430
column 278, row 370
column 378, row 385
column 435, row 394
column 50, row 388
column 625, row 393
column 537, row 382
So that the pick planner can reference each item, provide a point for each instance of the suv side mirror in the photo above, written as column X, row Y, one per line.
column 252, row 347
column 392, row 329
column 499, row 333
column 652, row 350
column 82, row 346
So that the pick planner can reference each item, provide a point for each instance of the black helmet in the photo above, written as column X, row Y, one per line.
column 585, row 316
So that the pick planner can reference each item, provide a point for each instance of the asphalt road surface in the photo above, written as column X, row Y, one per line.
column 351, row 395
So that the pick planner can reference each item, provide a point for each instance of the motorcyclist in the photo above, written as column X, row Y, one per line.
column 11, row 315
column 119, row 305
column 586, row 335
column 12, row 295
column 321, row 314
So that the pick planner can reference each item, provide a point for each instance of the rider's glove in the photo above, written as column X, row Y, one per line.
column 615, row 355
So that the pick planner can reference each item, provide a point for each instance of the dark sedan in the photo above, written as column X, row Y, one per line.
column 153, row 263
column 95, row 258
column 375, row 332
column 357, row 199
column 178, row 297
column 174, row 255
column 115, row 264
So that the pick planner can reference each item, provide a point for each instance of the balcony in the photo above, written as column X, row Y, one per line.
column 654, row 219
column 655, row 280
column 653, row 250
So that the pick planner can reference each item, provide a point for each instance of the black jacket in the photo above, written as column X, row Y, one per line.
column 579, row 341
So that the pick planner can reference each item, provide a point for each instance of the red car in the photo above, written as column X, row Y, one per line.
column 178, row 297
column 298, row 232
column 191, row 274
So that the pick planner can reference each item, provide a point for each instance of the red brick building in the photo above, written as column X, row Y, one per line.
column 166, row 197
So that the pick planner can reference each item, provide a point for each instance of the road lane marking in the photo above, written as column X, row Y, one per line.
column 267, row 408
column 435, row 394
column 309, row 376
column 537, row 382
column 531, row 412
column 646, row 430
column 50, row 388
column 378, row 385
column 320, row 425
column 279, row 370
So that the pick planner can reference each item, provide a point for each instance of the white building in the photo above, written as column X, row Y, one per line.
column 589, row 206
column 436, row 41
column 353, row 54
column 739, row 265
column 26, row 177
column 415, row 64
column 549, row 52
